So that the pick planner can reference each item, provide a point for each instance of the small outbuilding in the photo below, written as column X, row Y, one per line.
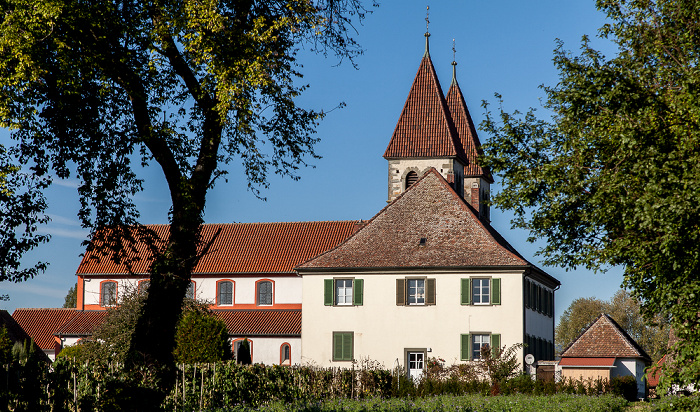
column 604, row 350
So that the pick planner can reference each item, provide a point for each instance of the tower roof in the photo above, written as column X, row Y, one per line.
column 425, row 127
column 466, row 131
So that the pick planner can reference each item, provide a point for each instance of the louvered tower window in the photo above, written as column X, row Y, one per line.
column 411, row 178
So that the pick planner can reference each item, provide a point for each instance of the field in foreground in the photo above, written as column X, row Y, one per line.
column 468, row 403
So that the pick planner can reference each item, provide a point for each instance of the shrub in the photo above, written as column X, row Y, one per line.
column 201, row 337
column 625, row 386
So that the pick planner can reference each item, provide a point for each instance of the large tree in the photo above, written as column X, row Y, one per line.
column 187, row 85
column 611, row 175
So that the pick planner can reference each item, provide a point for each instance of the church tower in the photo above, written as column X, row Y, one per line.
column 434, row 131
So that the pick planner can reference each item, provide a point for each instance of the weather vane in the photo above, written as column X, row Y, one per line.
column 454, row 51
column 427, row 19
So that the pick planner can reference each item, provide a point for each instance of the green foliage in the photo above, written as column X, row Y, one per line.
column 5, row 346
column 81, row 352
column 71, row 300
column 676, row 403
column 499, row 364
column 611, row 178
column 201, row 337
column 651, row 334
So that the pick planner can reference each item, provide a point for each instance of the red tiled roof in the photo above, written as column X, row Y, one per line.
column 654, row 374
column 455, row 236
column 592, row 362
column 466, row 132
column 82, row 324
column 425, row 128
column 604, row 338
column 262, row 322
column 42, row 324
column 243, row 247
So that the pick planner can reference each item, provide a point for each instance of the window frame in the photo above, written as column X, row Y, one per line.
column 257, row 292
column 403, row 289
column 236, row 342
column 193, row 287
column 143, row 286
column 417, row 295
column 219, row 283
column 349, row 300
column 115, row 293
column 288, row 360
column 481, row 294
column 330, row 292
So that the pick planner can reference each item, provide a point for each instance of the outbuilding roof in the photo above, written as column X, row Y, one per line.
column 82, row 324
column 427, row 226
column 240, row 247
column 41, row 324
column 604, row 338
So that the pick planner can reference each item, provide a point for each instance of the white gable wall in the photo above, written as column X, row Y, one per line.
column 382, row 330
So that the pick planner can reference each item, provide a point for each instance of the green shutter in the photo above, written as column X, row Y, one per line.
column 430, row 291
column 357, row 292
column 495, row 343
column 465, row 351
column 328, row 292
column 466, row 291
column 347, row 346
column 495, row 291
column 400, row 292
column 337, row 346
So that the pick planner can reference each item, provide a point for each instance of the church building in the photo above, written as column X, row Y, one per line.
column 427, row 276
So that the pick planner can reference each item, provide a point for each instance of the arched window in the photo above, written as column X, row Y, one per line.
column 190, row 291
column 143, row 286
column 225, row 292
column 237, row 349
column 411, row 178
column 285, row 354
column 265, row 292
column 108, row 293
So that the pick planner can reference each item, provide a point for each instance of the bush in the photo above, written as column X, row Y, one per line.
column 201, row 337
column 625, row 386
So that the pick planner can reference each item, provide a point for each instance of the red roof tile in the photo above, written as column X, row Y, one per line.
column 466, row 132
column 243, row 247
column 259, row 322
column 455, row 236
column 83, row 323
column 604, row 338
column 591, row 362
column 425, row 128
column 42, row 324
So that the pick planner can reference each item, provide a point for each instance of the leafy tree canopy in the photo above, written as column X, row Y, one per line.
column 71, row 300
column 189, row 86
column 652, row 335
column 612, row 177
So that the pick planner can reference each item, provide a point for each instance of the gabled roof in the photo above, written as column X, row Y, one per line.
column 242, row 247
column 82, row 324
column 466, row 132
column 425, row 128
column 430, row 209
column 604, row 338
column 42, row 324
column 16, row 333
column 257, row 322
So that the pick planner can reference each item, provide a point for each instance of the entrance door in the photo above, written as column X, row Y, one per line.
column 416, row 362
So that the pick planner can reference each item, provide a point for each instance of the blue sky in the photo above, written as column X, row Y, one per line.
column 502, row 46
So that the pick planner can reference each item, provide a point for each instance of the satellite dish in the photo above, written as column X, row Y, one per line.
column 529, row 359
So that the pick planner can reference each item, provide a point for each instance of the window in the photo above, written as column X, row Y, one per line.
column 481, row 291
column 471, row 344
column 285, row 354
column 108, row 293
column 190, row 291
column 264, row 292
column 143, row 286
column 342, row 346
column 239, row 355
column 225, row 292
column 343, row 292
column 411, row 178
column 415, row 291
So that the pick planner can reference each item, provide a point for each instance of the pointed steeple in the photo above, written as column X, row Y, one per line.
column 465, row 129
column 425, row 128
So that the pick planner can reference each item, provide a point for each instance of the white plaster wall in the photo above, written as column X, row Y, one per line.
column 91, row 292
column 267, row 350
column 382, row 330
column 633, row 367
